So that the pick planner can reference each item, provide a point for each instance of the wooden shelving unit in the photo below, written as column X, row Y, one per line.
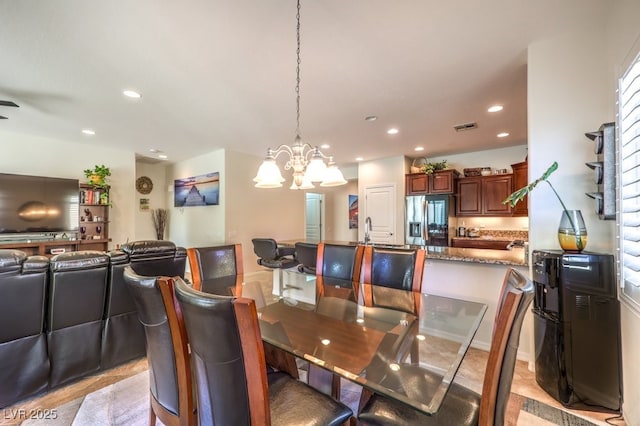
column 93, row 226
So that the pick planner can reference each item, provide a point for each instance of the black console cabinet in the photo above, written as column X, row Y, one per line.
column 577, row 329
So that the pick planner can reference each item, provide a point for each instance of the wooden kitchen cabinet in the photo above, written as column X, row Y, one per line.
column 520, row 179
column 469, row 200
column 416, row 184
column 479, row 243
column 483, row 196
column 440, row 182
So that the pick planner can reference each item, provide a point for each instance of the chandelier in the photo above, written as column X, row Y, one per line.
column 307, row 162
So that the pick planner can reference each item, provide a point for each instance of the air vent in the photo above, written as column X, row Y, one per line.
column 465, row 126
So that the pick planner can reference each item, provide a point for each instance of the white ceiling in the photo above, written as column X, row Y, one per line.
column 221, row 73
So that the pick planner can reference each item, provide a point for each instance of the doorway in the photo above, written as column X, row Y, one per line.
column 314, row 214
column 379, row 205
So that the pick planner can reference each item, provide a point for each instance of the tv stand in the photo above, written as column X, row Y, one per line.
column 47, row 247
column 92, row 234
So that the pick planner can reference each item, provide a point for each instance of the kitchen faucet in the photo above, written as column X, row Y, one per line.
column 367, row 230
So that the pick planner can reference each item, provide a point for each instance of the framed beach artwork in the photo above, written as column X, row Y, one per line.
column 353, row 211
column 203, row 190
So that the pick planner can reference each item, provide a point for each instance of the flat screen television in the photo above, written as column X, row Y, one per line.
column 38, row 204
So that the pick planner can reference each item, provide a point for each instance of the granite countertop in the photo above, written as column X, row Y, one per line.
column 484, row 237
column 514, row 257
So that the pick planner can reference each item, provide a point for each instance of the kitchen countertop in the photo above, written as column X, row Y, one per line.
column 484, row 237
column 513, row 257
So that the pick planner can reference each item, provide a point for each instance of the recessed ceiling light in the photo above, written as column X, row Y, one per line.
column 131, row 94
column 359, row 158
column 418, row 148
column 393, row 131
column 495, row 108
column 88, row 132
column 503, row 135
column 371, row 118
column 325, row 146
column 162, row 156
column 154, row 150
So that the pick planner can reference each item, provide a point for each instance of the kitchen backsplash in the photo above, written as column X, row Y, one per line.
column 506, row 234
column 510, row 227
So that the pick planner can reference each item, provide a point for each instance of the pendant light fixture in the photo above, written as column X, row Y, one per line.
column 307, row 162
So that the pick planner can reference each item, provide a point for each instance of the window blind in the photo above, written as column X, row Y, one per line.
column 629, row 138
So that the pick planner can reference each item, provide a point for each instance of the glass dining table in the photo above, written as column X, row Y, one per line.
column 405, row 345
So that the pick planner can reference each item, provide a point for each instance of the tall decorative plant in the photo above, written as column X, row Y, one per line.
column 159, row 217
column 519, row 194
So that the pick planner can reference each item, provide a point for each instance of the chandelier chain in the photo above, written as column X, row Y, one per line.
column 298, row 73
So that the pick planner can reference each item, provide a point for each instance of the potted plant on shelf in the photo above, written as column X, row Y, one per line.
column 97, row 177
column 429, row 168
column 572, row 233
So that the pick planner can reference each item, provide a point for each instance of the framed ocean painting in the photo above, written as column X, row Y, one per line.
column 203, row 190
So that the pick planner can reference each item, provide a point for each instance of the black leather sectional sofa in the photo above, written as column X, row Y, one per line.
column 70, row 316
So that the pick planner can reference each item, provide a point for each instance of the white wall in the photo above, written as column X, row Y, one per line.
column 479, row 283
column 337, row 213
column 253, row 212
column 501, row 158
column 336, row 207
column 568, row 96
column 28, row 155
column 199, row 225
column 158, row 196
column 571, row 87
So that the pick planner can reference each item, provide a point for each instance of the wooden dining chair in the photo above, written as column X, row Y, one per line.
column 462, row 406
column 170, row 380
column 393, row 268
column 337, row 268
column 216, row 269
column 232, row 385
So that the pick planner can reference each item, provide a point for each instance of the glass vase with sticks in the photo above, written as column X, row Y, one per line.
column 159, row 217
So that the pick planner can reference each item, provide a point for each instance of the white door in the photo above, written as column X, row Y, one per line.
column 380, row 206
column 314, row 231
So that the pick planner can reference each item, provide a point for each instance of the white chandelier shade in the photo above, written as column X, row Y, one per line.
column 306, row 161
column 308, row 166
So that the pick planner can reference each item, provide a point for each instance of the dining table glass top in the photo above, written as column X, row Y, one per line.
column 405, row 345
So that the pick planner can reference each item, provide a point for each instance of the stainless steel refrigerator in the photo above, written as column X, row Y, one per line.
column 428, row 220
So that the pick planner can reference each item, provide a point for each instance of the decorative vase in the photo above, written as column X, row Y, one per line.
column 572, row 232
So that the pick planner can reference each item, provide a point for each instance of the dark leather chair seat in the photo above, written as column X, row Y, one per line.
column 216, row 269
column 461, row 406
column 123, row 335
column 306, row 254
column 156, row 257
column 170, row 378
column 24, row 362
column 77, row 291
column 231, row 378
column 270, row 255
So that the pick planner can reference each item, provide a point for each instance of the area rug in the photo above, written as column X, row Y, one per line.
column 126, row 403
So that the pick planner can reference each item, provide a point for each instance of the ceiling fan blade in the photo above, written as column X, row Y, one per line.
column 2, row 117
column 9, row 103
